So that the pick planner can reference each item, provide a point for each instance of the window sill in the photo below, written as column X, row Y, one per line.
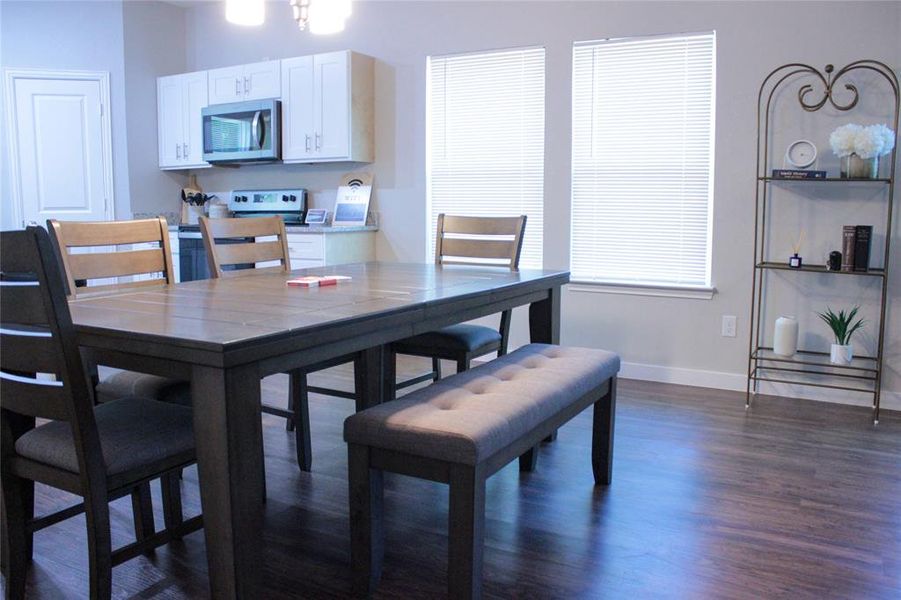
column 661, row 291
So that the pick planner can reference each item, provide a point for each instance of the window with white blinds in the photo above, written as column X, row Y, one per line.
column 642, row 160
column 486, row 140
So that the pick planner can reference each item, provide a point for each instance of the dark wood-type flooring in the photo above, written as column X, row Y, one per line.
column 793, row 499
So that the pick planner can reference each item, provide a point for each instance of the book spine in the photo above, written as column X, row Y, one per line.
column 862, row 236
column 798, row 174
column 848, row 236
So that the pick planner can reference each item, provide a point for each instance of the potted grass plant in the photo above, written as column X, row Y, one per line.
column 843, row 326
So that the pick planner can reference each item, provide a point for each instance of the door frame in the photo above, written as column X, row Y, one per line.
column 11, row 75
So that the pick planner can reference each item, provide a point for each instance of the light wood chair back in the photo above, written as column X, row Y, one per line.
column 221, row 255
column 38, row 338
column 490, row 241
column 124, row 262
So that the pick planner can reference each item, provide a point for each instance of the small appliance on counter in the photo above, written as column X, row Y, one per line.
column 290, row 204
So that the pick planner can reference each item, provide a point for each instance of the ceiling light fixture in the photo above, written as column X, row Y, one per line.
column 245, row 12
column 322, row 16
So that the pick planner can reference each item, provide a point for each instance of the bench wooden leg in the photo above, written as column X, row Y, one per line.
column 602, row 436
column 173, row 516
column 529, row 460
column 366, row 529
column 466, row 525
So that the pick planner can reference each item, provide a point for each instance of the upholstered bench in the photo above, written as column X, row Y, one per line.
column 463, row 429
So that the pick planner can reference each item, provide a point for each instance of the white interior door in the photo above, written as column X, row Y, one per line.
column 61, row 164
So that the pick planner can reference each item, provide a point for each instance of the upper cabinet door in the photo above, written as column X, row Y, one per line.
column 195, row 100
column 262, row 80
column 297, row 108
column 169, row 120
column 331, row 105
column 227, row 85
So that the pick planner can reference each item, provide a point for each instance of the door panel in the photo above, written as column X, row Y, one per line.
column 194, row 86
column 297, row 108
column 226, row 85
column 331, row 105
column 61, row 155
column 169, row 101
column 264, row 80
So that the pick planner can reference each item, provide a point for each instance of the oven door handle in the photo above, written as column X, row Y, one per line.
column 257, row 132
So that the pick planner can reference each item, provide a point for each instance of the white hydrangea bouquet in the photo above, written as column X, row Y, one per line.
column 859, row 148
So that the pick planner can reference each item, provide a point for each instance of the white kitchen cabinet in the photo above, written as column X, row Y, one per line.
column 319, row 249
column 255, row 81
column 176, row 256
column 328, row 108
column 180, row 98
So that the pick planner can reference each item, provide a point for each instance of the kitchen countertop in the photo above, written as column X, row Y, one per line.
column 317, row 228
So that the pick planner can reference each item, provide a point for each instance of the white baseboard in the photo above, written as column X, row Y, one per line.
column 737, row 382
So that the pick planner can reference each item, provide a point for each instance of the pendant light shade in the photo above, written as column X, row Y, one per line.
column 245, row 12
column 322, row 16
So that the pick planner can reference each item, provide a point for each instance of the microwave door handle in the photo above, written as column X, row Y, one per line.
column 255, row 130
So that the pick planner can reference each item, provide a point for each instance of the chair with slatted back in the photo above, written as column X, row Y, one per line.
column 483, row 241
column 223, row 259
column 105, row 251
column 100, row 452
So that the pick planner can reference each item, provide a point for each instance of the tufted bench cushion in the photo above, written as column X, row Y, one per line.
column 470, row 416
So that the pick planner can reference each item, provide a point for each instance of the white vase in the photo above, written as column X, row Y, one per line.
column 840, row 354
column 785, row 339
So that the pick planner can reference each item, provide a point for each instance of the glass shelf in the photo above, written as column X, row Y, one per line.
column 811, row 358
column 818, row 269
column 883, row 180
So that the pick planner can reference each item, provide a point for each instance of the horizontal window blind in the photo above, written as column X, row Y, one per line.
column 642, row 181
column 486, row 140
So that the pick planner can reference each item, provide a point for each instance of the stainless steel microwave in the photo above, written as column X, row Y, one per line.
column 242, row 132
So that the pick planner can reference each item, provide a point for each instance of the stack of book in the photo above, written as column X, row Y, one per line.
column 856, row 247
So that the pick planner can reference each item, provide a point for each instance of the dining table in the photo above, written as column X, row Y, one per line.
column 224, row 335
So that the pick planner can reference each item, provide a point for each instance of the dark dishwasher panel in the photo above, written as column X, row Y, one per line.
column 192, row 259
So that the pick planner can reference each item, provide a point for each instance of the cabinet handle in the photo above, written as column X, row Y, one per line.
column 237, row 87
column 178, row 151
column 307, row 140
column 184, row 151
column 318, row 141
column 246, row 85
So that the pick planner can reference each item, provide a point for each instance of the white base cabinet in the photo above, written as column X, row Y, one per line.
column 309, row 250
column 180, row 98
column 328, row 108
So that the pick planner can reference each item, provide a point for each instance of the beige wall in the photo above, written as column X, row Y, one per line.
column 678, row 339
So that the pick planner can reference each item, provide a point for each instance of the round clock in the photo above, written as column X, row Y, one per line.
column 801, row 154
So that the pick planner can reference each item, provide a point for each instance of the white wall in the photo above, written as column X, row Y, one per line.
column 681, row 335
column 68, row 35
column 154, row 45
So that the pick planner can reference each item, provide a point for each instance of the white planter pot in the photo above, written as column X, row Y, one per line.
column 840, row 355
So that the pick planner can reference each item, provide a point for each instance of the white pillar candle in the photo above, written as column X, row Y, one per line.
column 785, row 340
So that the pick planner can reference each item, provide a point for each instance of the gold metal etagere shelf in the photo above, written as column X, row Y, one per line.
column 864, row 374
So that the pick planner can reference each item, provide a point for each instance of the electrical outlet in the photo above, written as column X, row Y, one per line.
column 729, row 325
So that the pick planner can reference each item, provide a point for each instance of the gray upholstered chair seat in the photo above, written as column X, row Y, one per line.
column 130, row 383
column 468, row 417
column 134, row 433
column 458, row 338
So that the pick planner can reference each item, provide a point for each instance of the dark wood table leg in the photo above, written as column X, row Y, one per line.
column 369, row 377
column 229, row 439
column 544, row 328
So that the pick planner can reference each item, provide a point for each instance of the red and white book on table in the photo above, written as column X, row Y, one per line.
column 316, row 280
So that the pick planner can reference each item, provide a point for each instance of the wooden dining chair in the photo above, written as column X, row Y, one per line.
column 244, row 250
column 99, row 257
column 100, row 452
column 483, row 241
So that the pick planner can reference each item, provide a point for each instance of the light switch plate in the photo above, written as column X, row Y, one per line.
column 729, row 325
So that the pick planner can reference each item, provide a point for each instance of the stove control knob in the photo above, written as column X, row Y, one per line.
column 293, row 198
column 284, row 198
